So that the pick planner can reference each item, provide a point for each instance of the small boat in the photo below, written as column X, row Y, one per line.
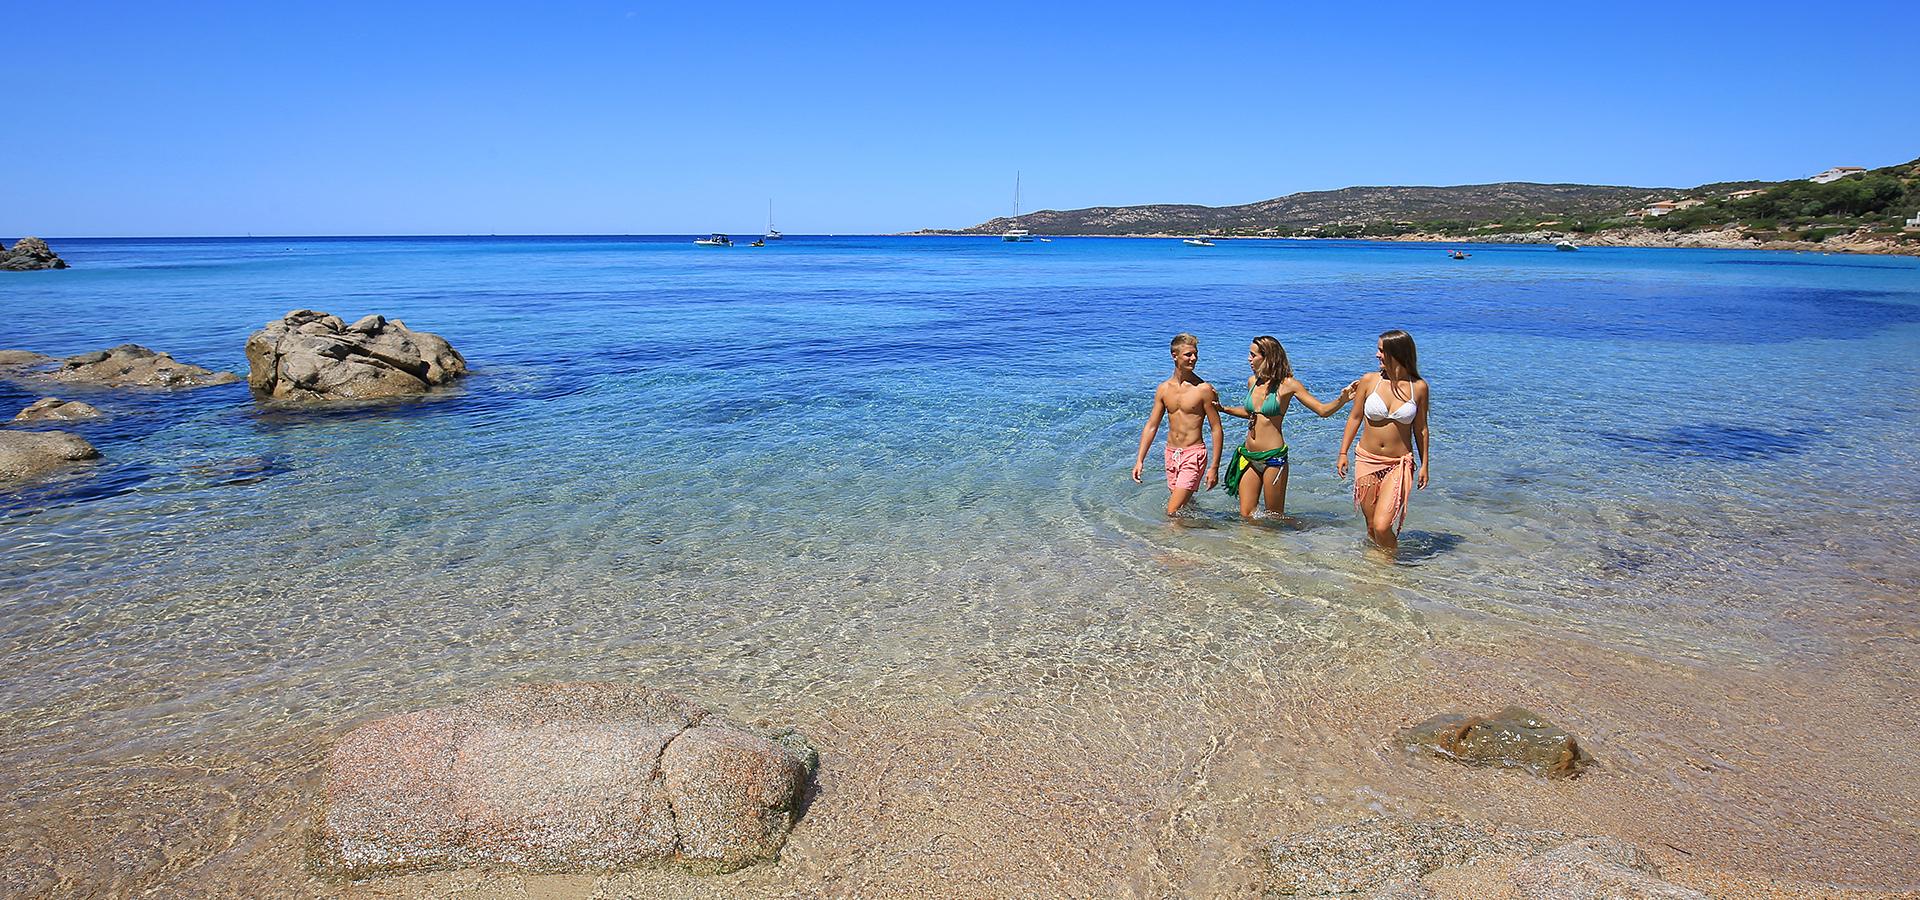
column 715, row 240
column 1565, row 245
column 1459, row 254
column 773, row 234
column 759, row 243
column 1046, row 240
column 1197, row 242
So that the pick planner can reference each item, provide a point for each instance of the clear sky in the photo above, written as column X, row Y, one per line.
column 585, row 117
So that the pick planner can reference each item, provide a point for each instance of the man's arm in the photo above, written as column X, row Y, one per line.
column 1216, row 450
column 1146, row 434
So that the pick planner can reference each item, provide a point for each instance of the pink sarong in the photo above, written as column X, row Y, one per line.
column 1373, row 474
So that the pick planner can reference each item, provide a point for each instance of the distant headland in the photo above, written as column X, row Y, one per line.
column 1845, row 208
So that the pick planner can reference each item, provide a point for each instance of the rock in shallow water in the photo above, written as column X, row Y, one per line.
column 53, row 409
column 1389, row 858
column 1510, row 738
column 310, row 355
column 131, row 365
column 29, row 253
column 583, row 776
column 24, row 454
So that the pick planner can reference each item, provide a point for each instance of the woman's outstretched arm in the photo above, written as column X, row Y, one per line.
column 1311, row 402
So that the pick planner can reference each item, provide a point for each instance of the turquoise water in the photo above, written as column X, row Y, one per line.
column 897, row 467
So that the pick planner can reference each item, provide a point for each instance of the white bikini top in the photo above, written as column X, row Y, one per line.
column 1376, row 410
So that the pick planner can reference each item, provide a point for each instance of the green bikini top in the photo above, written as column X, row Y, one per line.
column 1269, row 408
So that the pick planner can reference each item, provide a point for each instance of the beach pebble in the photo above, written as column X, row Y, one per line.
column 24, row 454
column 1510, row 738
column 570, row 777
column 54, row 409
column 131, row 365
column 311, row 355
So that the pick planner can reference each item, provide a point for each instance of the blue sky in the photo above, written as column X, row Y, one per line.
column 458, row 118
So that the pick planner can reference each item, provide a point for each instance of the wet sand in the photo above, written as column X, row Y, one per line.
column 1761, row 781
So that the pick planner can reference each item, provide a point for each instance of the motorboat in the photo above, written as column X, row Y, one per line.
column 759, row 243
column 1459, row 254
column 714, row 240
column 1565, row 245
column 1197, row 242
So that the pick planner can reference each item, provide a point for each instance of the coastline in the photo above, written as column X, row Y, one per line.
column 1644, row 238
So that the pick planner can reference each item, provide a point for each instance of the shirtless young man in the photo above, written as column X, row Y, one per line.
column 1189, row 400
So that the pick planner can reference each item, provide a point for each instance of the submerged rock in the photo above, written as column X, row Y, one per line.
column 1366, row 855
column 131, row 365
column 29, row 253
column 583, row 776
column 1512, row 738
column 53, row 409
column 24, row 454
column 1599, row 868
column 310, row 355
column 1390, row 858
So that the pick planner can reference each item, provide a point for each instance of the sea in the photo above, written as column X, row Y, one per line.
column 835, row 473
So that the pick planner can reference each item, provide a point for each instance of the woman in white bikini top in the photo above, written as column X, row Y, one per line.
column 1394, row 416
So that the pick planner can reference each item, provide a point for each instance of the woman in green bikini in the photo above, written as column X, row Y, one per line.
column 1270, row 389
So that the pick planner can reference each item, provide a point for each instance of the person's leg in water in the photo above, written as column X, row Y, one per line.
column 1274, row 485
column 1250, row 491
column 1381, row 503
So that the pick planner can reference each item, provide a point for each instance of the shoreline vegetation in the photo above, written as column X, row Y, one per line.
column 1839, row 211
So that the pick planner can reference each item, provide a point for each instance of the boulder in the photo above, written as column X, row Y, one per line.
column 131, row 365
column 24, row 454
column 52, row 409
column 309, row 355
column 570, row 777
column 29, row 253
column 1391, row 858
column 1511, row 738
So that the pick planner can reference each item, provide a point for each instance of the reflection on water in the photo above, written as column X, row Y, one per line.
column 864, row 482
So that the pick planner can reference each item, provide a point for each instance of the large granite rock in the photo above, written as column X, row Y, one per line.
column 583, row 776
column 310, row 355
column 131, row 365
column 1511, row 738
column 29, row 253
column 1389, row 858
column 24, row 454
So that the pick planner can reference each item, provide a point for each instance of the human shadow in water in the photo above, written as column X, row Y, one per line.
column 1417, row 547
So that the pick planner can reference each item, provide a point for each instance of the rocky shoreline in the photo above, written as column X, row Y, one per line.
column 1732, row 239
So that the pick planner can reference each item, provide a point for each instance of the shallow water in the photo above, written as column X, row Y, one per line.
column 838, row 472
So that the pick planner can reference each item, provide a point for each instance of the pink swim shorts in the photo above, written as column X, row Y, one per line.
column 1184, row 465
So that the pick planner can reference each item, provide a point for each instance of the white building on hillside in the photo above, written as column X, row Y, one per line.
column 1835, row 174
column 1913, row 224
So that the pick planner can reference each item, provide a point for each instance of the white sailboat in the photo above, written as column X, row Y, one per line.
column 773, row 234
column 1016, row 234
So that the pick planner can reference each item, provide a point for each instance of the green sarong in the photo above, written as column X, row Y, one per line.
column 1244, row 459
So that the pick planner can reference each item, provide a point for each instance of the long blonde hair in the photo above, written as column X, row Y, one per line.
column 1274, row 367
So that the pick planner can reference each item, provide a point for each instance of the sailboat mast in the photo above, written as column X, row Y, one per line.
column 1016, row 193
